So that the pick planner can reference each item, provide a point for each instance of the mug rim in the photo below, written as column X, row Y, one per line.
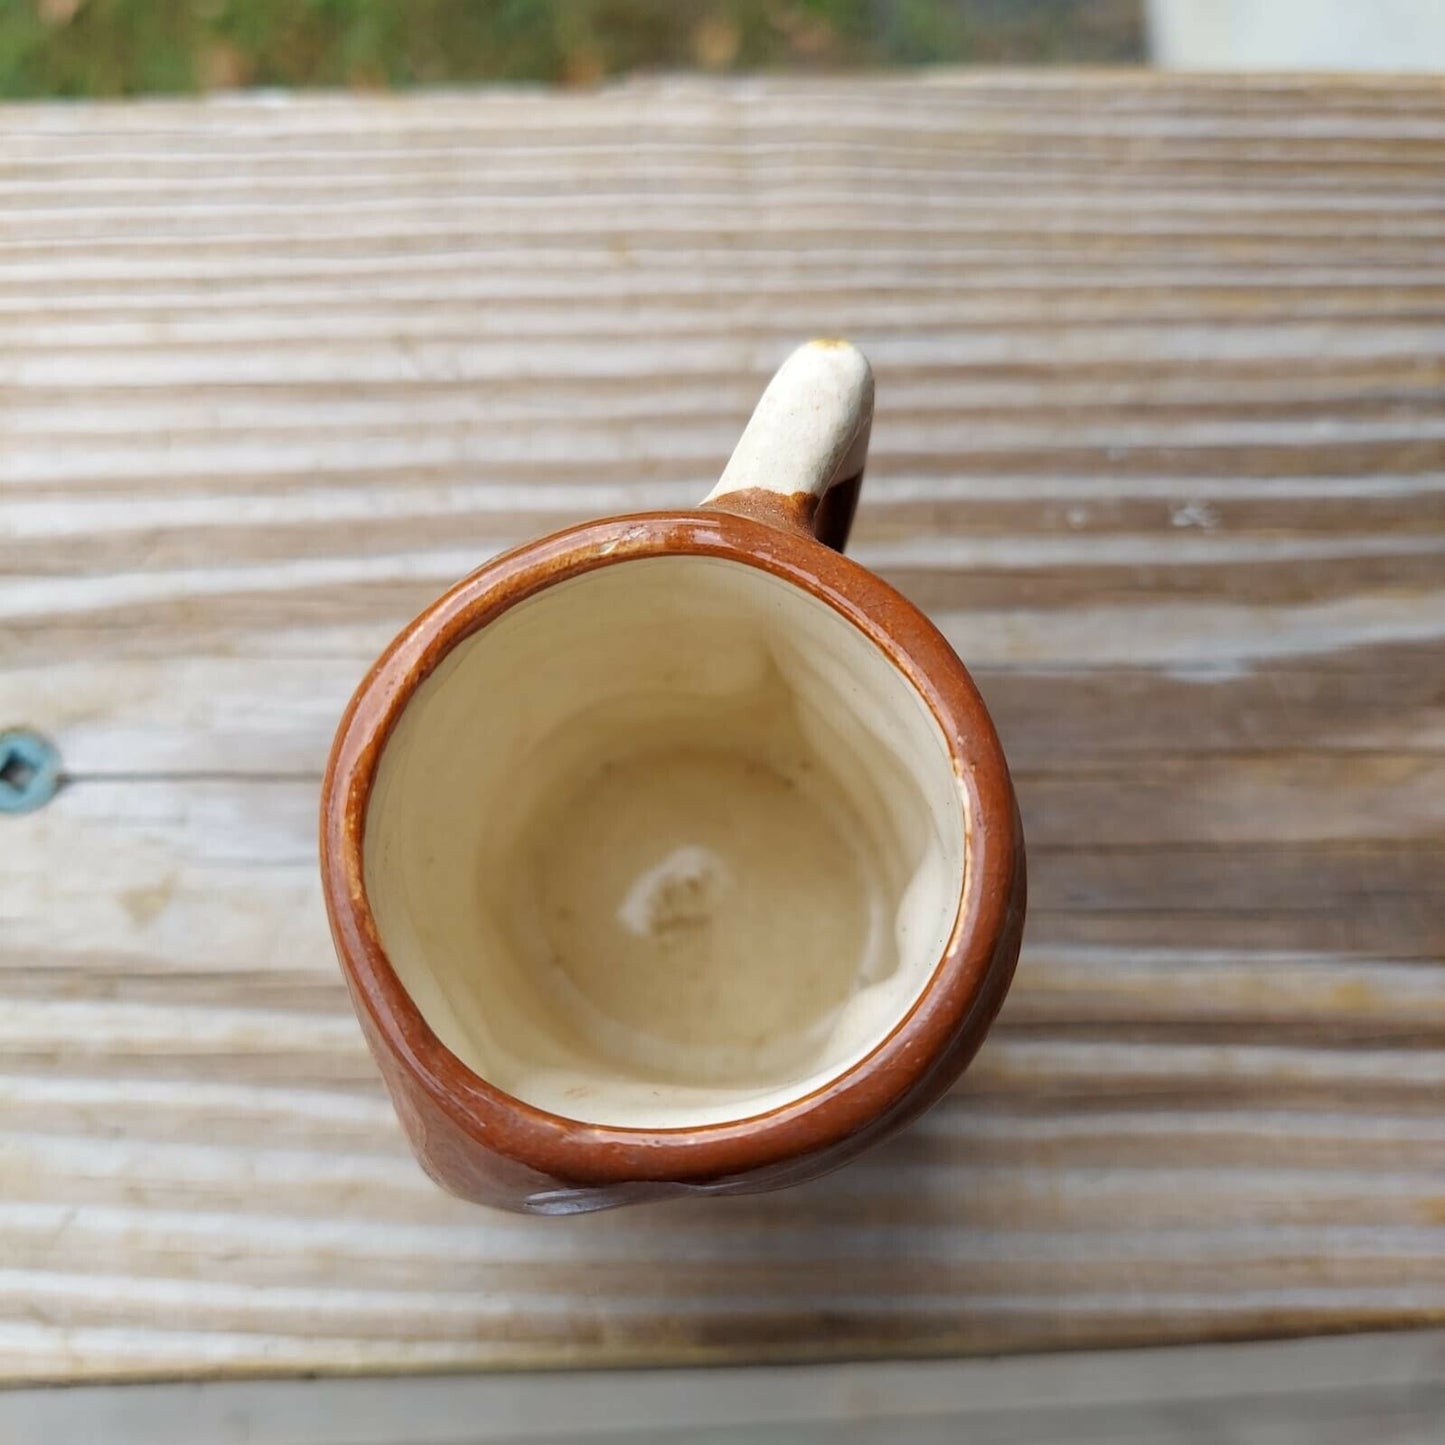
column 963, row 989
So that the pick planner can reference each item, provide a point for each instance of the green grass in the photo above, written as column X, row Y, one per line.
column 132, row 47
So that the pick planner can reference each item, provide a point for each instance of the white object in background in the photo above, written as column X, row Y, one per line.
column 1399, row 35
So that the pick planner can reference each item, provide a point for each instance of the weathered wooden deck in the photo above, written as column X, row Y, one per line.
column 1161, row 445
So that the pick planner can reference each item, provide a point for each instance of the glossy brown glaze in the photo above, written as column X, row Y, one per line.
column 827, row 519
column 493, row 1148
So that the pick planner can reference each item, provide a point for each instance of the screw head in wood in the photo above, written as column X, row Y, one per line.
column 29, row 770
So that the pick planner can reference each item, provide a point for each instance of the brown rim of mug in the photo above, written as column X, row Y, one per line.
column 585, row 1153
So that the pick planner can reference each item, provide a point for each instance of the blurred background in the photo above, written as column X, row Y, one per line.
column 129, row 47
column 90, row 48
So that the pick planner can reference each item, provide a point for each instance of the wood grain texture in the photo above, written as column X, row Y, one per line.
column 1160, row 444
column 1332, row 1391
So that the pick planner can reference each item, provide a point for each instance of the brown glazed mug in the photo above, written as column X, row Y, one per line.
column 675, row 853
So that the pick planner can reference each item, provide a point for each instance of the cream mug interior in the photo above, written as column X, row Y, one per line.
column 668, row 843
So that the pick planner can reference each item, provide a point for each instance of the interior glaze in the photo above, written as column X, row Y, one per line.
column 669, row 843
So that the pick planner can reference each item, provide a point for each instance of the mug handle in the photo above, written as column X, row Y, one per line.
column 799, row 462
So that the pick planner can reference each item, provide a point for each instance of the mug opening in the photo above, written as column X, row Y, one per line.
column 668, row 843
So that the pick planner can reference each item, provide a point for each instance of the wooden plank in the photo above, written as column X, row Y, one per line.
column 1311, row 1392
column 1161, row 447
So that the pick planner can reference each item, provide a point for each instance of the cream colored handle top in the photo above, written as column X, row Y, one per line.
column 807, row 435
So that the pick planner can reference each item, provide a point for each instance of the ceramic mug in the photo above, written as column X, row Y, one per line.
column 675, row 852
